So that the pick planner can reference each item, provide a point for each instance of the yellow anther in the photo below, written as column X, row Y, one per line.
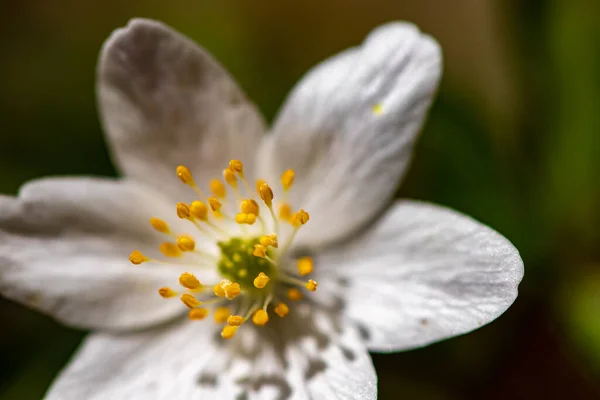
column 166, row 292
column 217, row 188
column 218, row 290
column 243, row 218
column 261, row 280
column 269, row 241
column 232, row 291
column 199, row 210
column 300, row 218
column 285, row 212
column 259, row 183
column 221, row 314
column 189, row 300
column 236, row 166
column 305, row 266
column 312, row 285
column 189, row 281
column 260, row 317
column 287, row 179
column 197, row 314
column 215, row 204
column 377, row 109
column 282, row 310
column 170, row 249
column 136, row 257
column 228, row 332
column 294, row 294
column 160, row 225
column 266, row 194
column 249, row 206
column 235, row 320
column 186, row 243
column 183, row 210
column 230, row 178
column 185, row 175
column 260, row 251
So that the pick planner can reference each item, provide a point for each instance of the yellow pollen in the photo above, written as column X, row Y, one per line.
column 136, row 257
column 294, row 294
column 230, row 178
column 215, row 204
column 260, row 251
column 166, row 292
column 312, row 285
column 199, row 210
column 300, row 218
column 186, row 243
column 217, row 188
column 189, row 281
column 287, row 179
column 261, row 280
column 305, row 266
column 160, row 225
column 228, row 332
column 266, row 194
column 377, row 109
column 260, row 317
column 259, row 183
column 282, row 310
column 249, row 206
column 189, row 300
column 243, row 218
column 185, row 175
column 232, row 290
column 236, row 166
column 285, row 212
column 221, row 314
column 170, row 249
column 197, row 314
column 269, row 241
column 218, row 290
column 235, row 320
column 183, row 210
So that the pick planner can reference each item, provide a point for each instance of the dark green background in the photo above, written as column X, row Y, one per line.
column 513, row 140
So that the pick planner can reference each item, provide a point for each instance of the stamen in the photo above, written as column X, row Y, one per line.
column 300, row 218
column 217, row 188
column 269, row 241
column 249, row 206
column 287, row 179
column 170, row 250
column 260, row 251
column 160, row 225
column 266, row 194
column 294, row 294
column 218, row 290
column 199, row 210
column 312, row 285
column 189, row 281
column 235, row 320
column 197, row 314
column 230, row 178
column 243, row 218
column 261, row 280
column 186, row 243
column 185, row 175
column 305, row 266
column 237, row 166
column 183, row 211
column 285, row 212
column 136, row 257
column 260, row 317
column 228, row 332
column 282, row 310
column 215, row 204
column 166, row 292
column 232, row 290
column 189, row 300
column 221, row 314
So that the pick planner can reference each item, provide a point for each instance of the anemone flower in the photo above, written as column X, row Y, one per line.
column 229, row 262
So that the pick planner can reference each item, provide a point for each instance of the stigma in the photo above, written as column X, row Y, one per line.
column 243, row 233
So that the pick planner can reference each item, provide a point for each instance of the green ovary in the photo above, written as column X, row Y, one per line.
column 238, row 264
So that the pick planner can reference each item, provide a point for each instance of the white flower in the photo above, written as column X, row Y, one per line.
column 392, row 275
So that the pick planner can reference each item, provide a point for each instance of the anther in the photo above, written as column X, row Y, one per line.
column 189, row 300
column 198, row 314
column 236, row 166
column 185, row 175
column 259, row 183
column 218, row 290
column 261, row 280
column 166, row 292
column 287, row 179
column 136, row 257
column 266, row 194
column 221, row 314
column 249, row 206
column 269, row 241
column 199, row 210
column 170, row 249
column 232, row 290
column 294, row 294
column 189, row 281
column 260, row 251
column 260, row 317
column 305, row 266
column 243, row 218
column 217, row 188
column 282, row 310
column 235, row 320
column 183, row 210
column 160, row 225
column 230, row 178
column 215, row 204
column 228, row 332
column 312, row 285
column 285, row 212
column 186, row 243
column 300, row 218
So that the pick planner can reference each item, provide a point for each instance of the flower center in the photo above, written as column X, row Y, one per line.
column 256, row 274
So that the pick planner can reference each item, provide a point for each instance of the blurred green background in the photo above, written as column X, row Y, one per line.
column 513, row 140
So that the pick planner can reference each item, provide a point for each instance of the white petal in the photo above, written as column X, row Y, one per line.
column 349, row 159
column 187, row 360
column 423, row 273
column 165, row 101
column 64, row 247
